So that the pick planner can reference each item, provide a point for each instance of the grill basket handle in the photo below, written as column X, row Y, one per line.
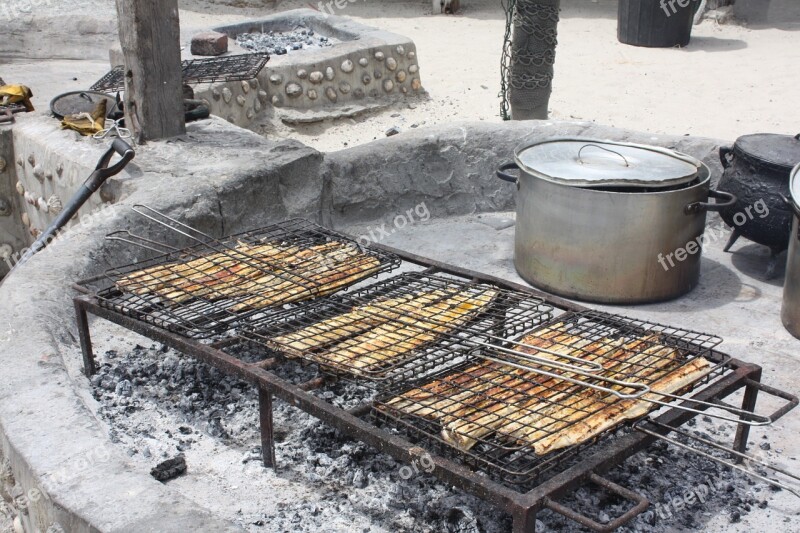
column 791, row 400
column 641, row 505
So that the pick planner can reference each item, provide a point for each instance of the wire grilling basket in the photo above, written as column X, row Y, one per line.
column 210, row 287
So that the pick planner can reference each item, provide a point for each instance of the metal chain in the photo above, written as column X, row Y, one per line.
column 538, row 59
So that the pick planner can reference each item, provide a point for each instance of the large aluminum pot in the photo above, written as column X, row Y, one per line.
column 612, row 223
column 790, row 312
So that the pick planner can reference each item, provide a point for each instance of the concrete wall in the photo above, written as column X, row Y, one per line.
column 13, row 235
column 222, row 180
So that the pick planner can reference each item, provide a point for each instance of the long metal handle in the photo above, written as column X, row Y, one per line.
column 595, row 367
column 758, row 420
column 101, row 173
column 643, row 389
column 142, row 242
column 749, row 458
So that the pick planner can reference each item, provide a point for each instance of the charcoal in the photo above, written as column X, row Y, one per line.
column 169, row 469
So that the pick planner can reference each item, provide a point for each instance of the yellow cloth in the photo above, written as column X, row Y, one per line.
column 16, row 94
column 85, row 123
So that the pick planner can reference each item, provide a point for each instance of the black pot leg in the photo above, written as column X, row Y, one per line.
column 734, row 237
column 772, row 265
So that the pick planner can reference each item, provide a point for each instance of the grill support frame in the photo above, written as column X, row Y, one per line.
column 522, row 506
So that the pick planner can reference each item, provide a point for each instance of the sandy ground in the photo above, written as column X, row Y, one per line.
column 731, row 79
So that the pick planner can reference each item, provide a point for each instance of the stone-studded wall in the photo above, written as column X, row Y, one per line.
column 12, row 216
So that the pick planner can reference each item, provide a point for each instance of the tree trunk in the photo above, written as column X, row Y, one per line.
column 149, row 31
column 533, row 54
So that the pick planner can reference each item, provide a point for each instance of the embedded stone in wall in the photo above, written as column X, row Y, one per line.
column 380, row 56
column 227, row 95
column 344, row 87
column 378, row 74
column 276, row 79
column 245, row 87
column 3, row 164
column 262, row 96
column 54, row 205
column 366, row 79
column 312, row 94
column 416, row 84
column 413, row 69
column 293, row 90
column 400, row 49
column 363, row 61
column 302, row 73
column 330, row 92
column 391, row 63
column 276, row 100
column 347, row 66
column 215, row 94
column 316, row 77
column 400, row 76
column 388, row 86
column 330, row 73
column 241, row 100
column 412, row 54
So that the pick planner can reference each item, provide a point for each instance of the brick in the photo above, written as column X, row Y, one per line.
column 209, row 43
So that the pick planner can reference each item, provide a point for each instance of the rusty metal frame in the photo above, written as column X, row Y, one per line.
column 522, row 506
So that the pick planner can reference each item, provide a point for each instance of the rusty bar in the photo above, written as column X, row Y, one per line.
column 524, row 521
column 743, row 430
column 267, row 364
column 267, row 427
column 82, row 319
column 360, row 410
column 225, row 343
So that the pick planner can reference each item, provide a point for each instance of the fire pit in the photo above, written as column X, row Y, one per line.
column 468, row 328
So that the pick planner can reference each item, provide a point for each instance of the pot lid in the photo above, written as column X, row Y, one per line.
column 778, row 151
column 591, row 163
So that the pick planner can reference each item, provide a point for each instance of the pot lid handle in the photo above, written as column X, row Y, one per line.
column 609, row 150
column 797, row 136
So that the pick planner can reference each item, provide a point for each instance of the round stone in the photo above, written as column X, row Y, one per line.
column 3, row 164
column 400, row 76
column 245, row 87
column 312, row 94
column 32, row 160
column 250, row 114
column 293, row 90
column 358, row 92
column 363, row 61
column 388, row 86
column 20, row 188
column 35, row 232
column 49, row 175
column 257, row 106
column 215, row 94
column 347, row 66
column 41, row 204
column 330, row 73
column 330, row 92
column 416, row 84
column 391, row 63
column 26, row 220
column 231, row 119
column 21, row 162
column 276, row 100
column 276, row 79
column 60, row 169
column 241, row 100
column 302, row 73
column 413, row 69
column 400, row 50
column 38, row 173
column 412, row 54
column 404, row 90
column 262, row 96
column 253, row 83
column 380, row 56
column 344, row 87
column 365, row 79
column 316, row 77
column 377, row 74
column 54, row 205
column 227, row 95
column 373, row 93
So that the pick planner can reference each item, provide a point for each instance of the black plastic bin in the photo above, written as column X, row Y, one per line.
column 656, row 23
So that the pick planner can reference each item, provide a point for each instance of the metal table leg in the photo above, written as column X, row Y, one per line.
column 267, row 433
column 89, row 366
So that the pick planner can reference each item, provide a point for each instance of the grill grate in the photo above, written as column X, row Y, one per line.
column 240, row 67
column 514, row 423
column 373, row 334
column 212, row 287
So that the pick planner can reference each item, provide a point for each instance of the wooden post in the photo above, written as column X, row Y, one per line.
column 149, row 31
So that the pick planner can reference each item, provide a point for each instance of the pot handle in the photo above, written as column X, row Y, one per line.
column 704, row 207
column 726, row 155
column 503, row 175
column 790, row 204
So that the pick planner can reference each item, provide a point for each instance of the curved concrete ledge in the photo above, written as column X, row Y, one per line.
column 223, row 180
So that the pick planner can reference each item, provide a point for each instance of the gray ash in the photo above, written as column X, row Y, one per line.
column 279, row 43
column 159, row 403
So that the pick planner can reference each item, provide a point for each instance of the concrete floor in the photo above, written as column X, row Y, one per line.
column 732, row 301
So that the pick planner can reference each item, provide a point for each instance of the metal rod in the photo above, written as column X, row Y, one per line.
column 267, row 428
column 595, row 367
column 644, row 389
column 721, row 461
column 82, row 319
column 761, row 420
column 133, row 239
column 748, row 403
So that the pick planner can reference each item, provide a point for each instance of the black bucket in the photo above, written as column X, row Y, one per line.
column 656, row 23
